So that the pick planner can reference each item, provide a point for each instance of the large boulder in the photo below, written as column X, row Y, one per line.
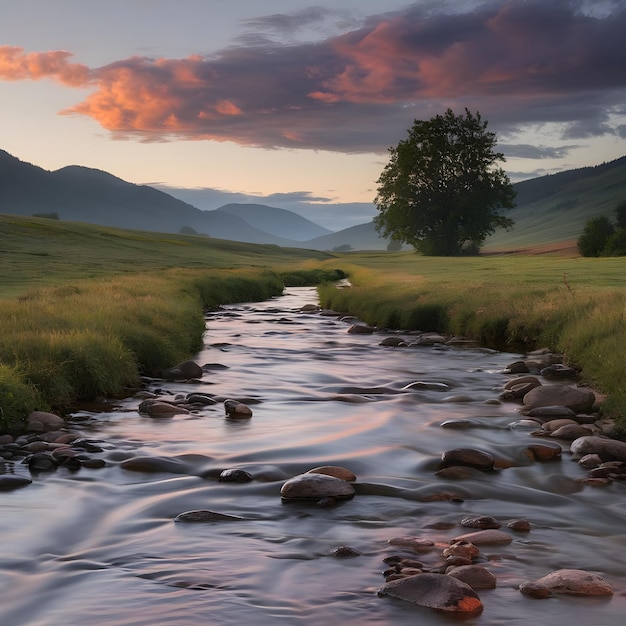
column 575, row 398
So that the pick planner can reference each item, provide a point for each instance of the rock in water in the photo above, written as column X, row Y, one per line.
column 316, row 486
column 183, row 371
column 237, row 410
column 576, row 582
column 575, row 398
column 435, row 591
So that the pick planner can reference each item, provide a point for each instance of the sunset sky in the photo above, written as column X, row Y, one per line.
column 294, row 104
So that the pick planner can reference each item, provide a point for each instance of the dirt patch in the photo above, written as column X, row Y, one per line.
column 558, row 248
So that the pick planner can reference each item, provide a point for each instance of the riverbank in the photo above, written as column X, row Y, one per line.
column 87, row 338
column 574, row 306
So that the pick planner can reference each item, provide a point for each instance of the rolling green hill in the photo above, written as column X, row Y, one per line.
column 555, row 208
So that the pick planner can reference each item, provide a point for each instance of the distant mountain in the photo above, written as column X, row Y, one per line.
column 549, row 209
column 280, row 222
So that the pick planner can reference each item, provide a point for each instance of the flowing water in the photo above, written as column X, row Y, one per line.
column 100, row 546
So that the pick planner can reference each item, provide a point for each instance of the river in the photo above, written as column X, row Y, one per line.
column 100, row 546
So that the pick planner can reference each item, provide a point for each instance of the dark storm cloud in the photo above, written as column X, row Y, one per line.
column 517, row 62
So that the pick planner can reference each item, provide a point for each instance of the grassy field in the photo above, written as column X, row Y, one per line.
column 85, row 310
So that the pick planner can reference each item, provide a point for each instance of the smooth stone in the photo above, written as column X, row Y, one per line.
column 49, row 421
column 202, row 516
column 534, row 590
column 476, row 576
column 393, row 342
column 42, row 462
column 522, row 380
column 183, row 371
column 8, row 482
column 517, row 367
column 516, row 392
column 316, row 486
column 576, row 582
column 469, row 457
column 418, row 544
column 159, row 408
column 435, row 591
column 334, row 470
column 590, row 461
column 577, row 399
column 606, row 449
column 235, row 476
column 545, row 451
column 570, row 432
column 237, row 410
column 485, row 537
column 555, row 424
column 361, row 329
column 552, row 411
column 519, row 424
column 519, row 525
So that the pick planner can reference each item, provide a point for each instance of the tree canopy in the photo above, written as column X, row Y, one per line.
column 442, row 188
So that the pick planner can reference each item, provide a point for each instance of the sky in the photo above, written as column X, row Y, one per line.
column 295, row 104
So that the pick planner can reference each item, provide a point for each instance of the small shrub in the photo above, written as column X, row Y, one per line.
column 595, row 236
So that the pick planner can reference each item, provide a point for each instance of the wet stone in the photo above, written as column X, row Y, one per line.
column 482, row 522
column 476, row 576
column 316, row 486
column 9, row 482
column 235, row 476
column 468, row 457
column 485, row 537
column 237, row 410
column 435, row 591
column 519, row 525
column 535, row 590
column 344, row 552
column 334, row 470
column 576, row 582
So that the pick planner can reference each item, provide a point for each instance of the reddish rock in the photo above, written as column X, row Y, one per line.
column 435, row 591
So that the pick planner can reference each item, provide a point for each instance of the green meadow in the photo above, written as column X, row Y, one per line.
column 86, row 310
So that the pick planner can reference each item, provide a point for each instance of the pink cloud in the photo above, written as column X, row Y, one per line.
column 15, row 65
column 520, row 61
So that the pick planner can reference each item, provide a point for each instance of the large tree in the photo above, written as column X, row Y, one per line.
column 442, row 189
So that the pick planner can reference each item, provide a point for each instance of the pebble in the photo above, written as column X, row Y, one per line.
column 483, row 537
column 476, row 576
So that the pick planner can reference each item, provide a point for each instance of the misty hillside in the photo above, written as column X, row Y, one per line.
column 280, row 222
column 549, row 209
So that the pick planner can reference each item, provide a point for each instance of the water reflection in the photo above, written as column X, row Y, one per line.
column 101, row 547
